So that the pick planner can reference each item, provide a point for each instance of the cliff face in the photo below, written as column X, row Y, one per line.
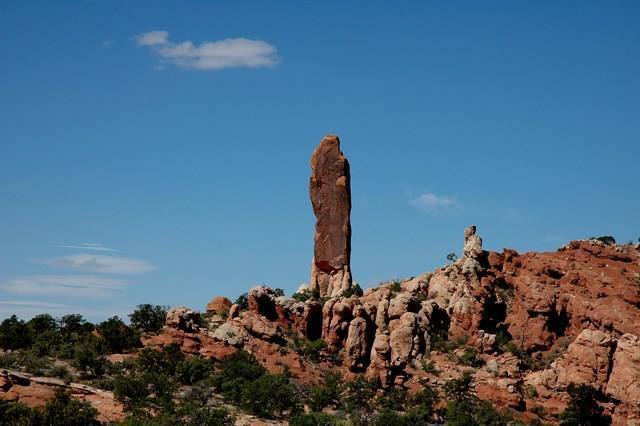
column 538, row 322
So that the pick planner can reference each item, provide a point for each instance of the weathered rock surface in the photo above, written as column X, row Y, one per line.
column 330, row 192
column 219, row 305
column 37, row 391
column 585, row 293
column 183, row 318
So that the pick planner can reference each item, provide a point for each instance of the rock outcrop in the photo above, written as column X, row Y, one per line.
column 572, row 314
column 330, row 192
column 36, row 391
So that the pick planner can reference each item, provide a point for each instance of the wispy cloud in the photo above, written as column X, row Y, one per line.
column 31, row 303
column 87, row 246
column 210, row 55
column 101, row 263
column 64, row 285
column 432, row 203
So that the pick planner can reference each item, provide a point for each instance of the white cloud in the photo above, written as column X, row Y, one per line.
column 90, row 286
column 433, row 203
column 210, row 55
column 152, row 38
column 101, row 264
column 87, row 246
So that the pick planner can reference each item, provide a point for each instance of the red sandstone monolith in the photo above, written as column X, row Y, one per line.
column 330, row 192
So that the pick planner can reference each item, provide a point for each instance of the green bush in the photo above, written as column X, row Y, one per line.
column 88, row 360
column 422, row 405
column 14, row 334
column 132, row 392
column 394, row 398
column 584, row 408
column 243, row 301
column 327, row 393
column 42, row 323
column 118, row 337
column 358, row 394
column 61, row 372
column 235, row 372
column 268, row 395
column 163, row 361
column 194, row 369
column 390, row 418
column 18, row 414
column 470, row 357
column 149, row 318
column 355, row 289
column 63, row 410
column 303, row 296
column 313, row 419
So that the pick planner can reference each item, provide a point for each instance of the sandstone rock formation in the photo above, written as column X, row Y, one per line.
column 586, row 293
column 219, row 306
column 183, row 318
column 36, row 391
column 330, row 192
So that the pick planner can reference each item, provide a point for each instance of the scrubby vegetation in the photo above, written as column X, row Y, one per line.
column 584, row 408
column 166, row 387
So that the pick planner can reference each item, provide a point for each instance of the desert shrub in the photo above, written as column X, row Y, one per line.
column 326, row 394
column 47, row 343
column 18, row 414
column 163, row 361
column 303, row 295
column 148, row 318
column 459, row 389
column 314, row 419
column 451, row 257
column 132, row 392
column 355, row 289
column 486, row 414
column 235, row 372
column 268, row 395
column 312, row 350
column 243, row 301
column 607, row 239
column 88, row 358
column 464, row 408
column 64, row 410
column 430, row 367
column 118, row 337
column 393, row 399
column 194, row 369
column 42, row 323
column 530, row 391
column 278, row 292
column 14, row 334
column 422, row 405
column 396, row 286
column 390, row 418
column 557, row 350
column 470, row 357
column 196, row 409
column 583, row 408
column 441, row 343
column 357, row 395
column 61, row 372
column 74, row 326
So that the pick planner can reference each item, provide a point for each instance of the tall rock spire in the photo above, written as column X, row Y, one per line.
column 330, row 192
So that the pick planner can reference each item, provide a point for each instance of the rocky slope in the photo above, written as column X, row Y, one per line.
column 538, row 322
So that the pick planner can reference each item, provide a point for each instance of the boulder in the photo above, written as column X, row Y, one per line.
column 219, row 305
column 184, row 319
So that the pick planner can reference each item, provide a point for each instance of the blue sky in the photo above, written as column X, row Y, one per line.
column 166, row 144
